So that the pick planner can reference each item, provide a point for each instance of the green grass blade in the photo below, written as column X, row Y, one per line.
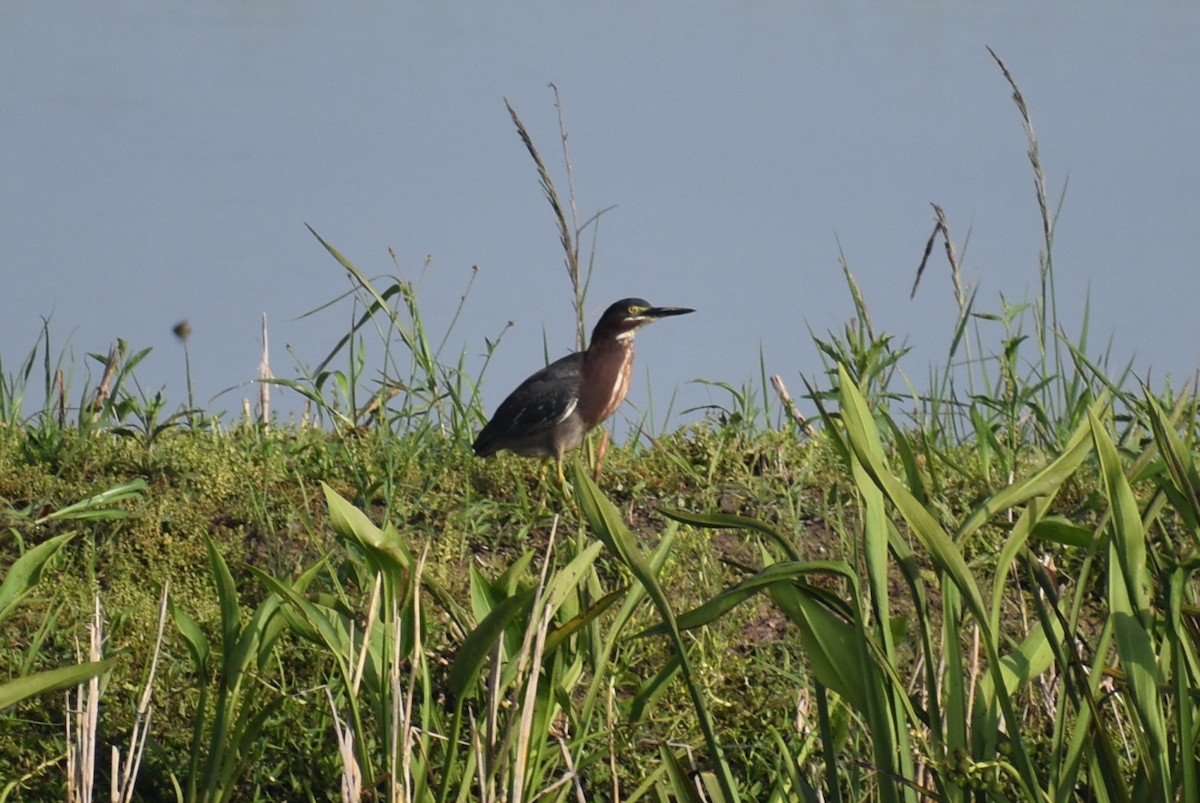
column 836, row 649
column 477, row 646
column 1043, row 483
column 864, row 439
column 1020, row 534
column 607, row 524
column 733, row 521
column 581, row 620
column 100, row 506
column 321, row 625
column 26, row 572
column 886, row 705
column 1181, row 467
column 1184, row 678
column 1129, row 606
column 680, row 778
column 731, row 597
column 14, row 691
column 354, row 272
column 651, row 689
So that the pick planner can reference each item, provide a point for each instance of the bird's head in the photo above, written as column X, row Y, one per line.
column 630, row 314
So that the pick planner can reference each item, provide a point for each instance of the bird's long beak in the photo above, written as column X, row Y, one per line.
column 666, row 312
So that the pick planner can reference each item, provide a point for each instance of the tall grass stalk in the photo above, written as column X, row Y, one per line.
column 124, row 774
column 83, row 719
column 15, row 384
column 568, row 231
column 264, row 375
column 183, row 332
column 433, row 395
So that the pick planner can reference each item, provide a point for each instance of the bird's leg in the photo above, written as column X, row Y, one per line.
column 544, row 484
column 563, row 485
column 601, row 450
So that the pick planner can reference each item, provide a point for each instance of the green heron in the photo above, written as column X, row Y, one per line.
column 550, row 412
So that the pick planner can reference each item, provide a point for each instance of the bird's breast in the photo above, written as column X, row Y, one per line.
column 606, row 374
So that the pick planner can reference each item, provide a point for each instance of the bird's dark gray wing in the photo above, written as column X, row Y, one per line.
column 538, row 403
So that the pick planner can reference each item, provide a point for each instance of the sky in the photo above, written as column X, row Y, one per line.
column 159, row 162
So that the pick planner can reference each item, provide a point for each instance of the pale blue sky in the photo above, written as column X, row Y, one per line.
column 158, row 161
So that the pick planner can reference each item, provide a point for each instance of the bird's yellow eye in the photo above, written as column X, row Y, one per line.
column 634, row 309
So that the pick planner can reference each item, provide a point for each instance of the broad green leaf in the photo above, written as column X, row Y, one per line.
column 836, row 652
column 484, row 598
column 320, row 619
column 1031, row 658
column 1129, row 601
column 477, row 646
column 26, row 572
column 352, row 524
column 100, row 506
column 1061, row 530
column 733, row 521
column 733, row 596
column 1129, row 536
column 258, row 635
column 567, row 579
column 712, row 787
column 227, row 599
column 1045, row 482
column 509, row 581
column 386, row 549
column 64, row 677
column 196, row 641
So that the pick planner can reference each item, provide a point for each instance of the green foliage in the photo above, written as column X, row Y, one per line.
column 432, row 394
column 25, row 573
column 20, row 580
column 224, row 745
column 606, row 522
column 1044, row 624
column 969, row 733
